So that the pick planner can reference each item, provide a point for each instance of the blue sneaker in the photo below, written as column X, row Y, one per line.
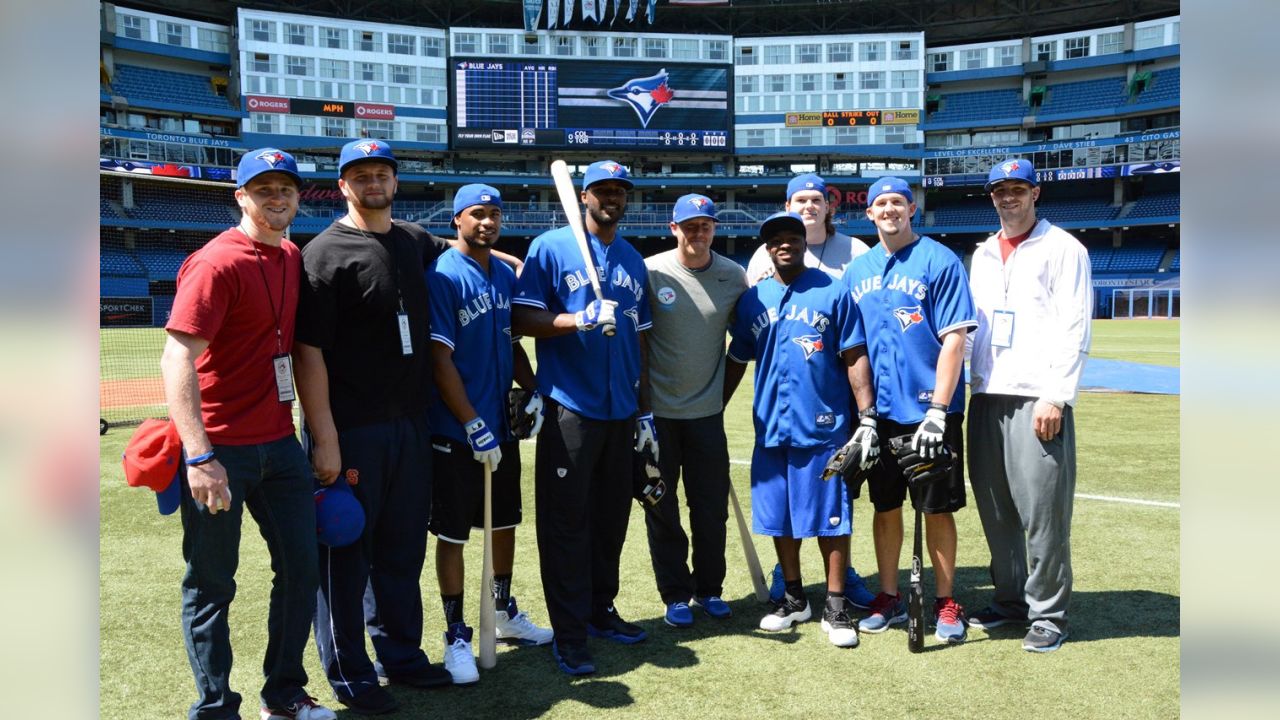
column 714, row 606
column 949, row 616
column 573, row 659
column 778, row 585
column 886, row 610
column 608, row 624
column 856, row 592
column 678, row 615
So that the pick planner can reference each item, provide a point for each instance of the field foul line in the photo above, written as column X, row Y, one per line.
column 1086, row 496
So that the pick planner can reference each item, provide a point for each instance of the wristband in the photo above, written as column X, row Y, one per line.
column 200, row 459
column 868, row 413
column 938, row 406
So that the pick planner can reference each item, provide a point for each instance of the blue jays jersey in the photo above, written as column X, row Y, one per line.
column 796, row 333
column 908, row 301
column 471, row 313
column 593, row 375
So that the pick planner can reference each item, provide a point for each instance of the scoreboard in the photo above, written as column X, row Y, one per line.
column 852, row 118
column 583, row 104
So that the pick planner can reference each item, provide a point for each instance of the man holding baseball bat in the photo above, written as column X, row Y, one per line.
column 474, row 359
column 692, row 293
column 589, row 317
column 914, row 300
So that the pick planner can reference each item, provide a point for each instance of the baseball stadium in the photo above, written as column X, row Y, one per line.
column 731, row 100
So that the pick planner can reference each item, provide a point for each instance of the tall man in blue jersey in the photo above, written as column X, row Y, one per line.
column 916, row 309
column 597, row 400
column 474, row 360
column 799, row 325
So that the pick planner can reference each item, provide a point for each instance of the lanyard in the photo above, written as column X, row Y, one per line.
column 275, row 314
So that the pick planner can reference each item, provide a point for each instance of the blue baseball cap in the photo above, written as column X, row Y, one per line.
column 605, row 170
column 808, row 181
column 263, row 160
column 780, row 221
column 475, row 194
column 692, row 206
column 889, row 185
column 361, row 150
column 1011, row 169
column 339, row 515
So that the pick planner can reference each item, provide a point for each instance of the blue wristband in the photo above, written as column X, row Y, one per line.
column 200, row 459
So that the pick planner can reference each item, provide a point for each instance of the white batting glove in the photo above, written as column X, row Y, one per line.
column 928, row 437
column 484, row 446
column 867, row 439
column 647, row 434
column 600, row 313
column 534, row 408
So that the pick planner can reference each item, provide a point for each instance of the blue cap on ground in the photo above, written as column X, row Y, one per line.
column 264, row 160
column 1012, row 169
column 605, row 170
column 889, row 185
column 692, row 206
column 361, row 150
column 807, row 181
column 780, row 221
column 339, row 515
column 475, row 194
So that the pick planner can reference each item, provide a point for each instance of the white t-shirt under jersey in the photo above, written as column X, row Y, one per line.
column 831, row 257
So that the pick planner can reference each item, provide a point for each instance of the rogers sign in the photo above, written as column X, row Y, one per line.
column 375, row 112
column 262, row 103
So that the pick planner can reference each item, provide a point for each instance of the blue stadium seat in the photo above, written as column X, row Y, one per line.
column 1165, row 86
column 1101, row 94
column 161, row 264
column 1156, row 205
column 140, row 84
column 1176, row 264
column 980, row 105
column 120, row 263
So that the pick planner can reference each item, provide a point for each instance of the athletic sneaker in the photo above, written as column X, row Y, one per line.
column 949, row 616
column 989, row 617
column 458, row 659
column 515, row 628
column 777, row 585
column 305, row 708
column 1043, row 637
column 886, row 610
column 786, row 612
column 573, row 658
column 714, row 606
column 855, row 590
column 678, row 615
column 373, row 701
column 840, row 628
column 608, row 624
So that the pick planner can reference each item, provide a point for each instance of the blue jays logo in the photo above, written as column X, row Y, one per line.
column 698, row 202
column 908, row 316
column 644, row 95
column 810, row 343
column 368, row 147
column 634, row 314
column 1009, row 167
column 270, row 157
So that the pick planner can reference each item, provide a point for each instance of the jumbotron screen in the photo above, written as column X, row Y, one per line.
column 583, row 104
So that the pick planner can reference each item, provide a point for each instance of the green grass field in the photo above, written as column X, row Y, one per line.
column 1122, row 659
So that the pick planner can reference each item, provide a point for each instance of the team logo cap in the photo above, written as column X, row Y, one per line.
column 1012, row 169
column 692, row 206
column 255, row 162
column 606, row 170
column 362, row 150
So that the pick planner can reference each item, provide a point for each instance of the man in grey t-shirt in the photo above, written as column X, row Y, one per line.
column 692, row 292
column 825, row 249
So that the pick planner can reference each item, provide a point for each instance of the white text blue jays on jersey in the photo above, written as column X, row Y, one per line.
column 794, row 312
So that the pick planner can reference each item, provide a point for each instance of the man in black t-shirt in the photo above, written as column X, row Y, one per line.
column 363, row 373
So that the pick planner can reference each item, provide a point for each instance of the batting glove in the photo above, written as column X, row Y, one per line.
column 928, row 438
column 600, row 313
column 534, row 409
column 647, row 435
column 484, row 446
column 867, row 439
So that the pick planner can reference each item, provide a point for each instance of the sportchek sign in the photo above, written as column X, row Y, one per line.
column 324, row 108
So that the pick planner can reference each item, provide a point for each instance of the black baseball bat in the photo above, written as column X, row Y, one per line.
column 915, row 596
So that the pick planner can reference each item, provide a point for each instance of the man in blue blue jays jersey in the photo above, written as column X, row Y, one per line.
column 597, row 400
column 913, row 297
column 474, row 361
column 800, row 326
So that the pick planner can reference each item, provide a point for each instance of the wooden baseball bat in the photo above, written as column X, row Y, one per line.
column 569, row 201
column 749, row 549
column 915, row 596
column 488, row 633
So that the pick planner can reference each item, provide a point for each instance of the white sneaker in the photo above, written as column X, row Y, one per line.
column 458, row 659
column 304, row 709
column 840, row 628
column 514, row 627
column 786, row 612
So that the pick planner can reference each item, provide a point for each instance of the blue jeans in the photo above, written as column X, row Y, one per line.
column 274, row 482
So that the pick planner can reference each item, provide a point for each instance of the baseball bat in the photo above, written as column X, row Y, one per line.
column 915, row 596
column 569, row 201
column 749, row 549
column 488, row 634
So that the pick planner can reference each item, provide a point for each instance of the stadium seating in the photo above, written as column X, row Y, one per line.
column 980, row 105
column 161, row 264
column 1135, row 259
column 1076, row 210
column 121, row 264
column 110, row 286
column 1165, row 86
column 1099, row 258
column 1101, row 94
column 142, row 84
column 1156, row 205
column 1176, row 264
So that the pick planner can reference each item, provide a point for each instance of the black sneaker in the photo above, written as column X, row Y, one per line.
column 989, row 617
column 841, row 630
column 608, row 624
column 572, row 658
column 428, row 676
column 786, row 612
column 374, row 701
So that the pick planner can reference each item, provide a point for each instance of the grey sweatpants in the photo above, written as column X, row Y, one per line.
column 1024, row 489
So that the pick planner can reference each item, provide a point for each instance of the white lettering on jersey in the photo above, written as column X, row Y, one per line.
column 795, row 313
column 578, row 279
column 623, row 280
column 864, row 286
column 909, row 285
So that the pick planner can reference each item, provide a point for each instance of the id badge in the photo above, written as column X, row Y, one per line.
column 284, row 377
column 406, row 342
column 1002, row 328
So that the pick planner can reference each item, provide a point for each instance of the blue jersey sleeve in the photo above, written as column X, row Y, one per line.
column 444, row 298
column 953, row 302
column 536, row 285
column 742, row 343
column 849, row 323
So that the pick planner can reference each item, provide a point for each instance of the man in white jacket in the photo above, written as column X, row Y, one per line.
column 1033, row 290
